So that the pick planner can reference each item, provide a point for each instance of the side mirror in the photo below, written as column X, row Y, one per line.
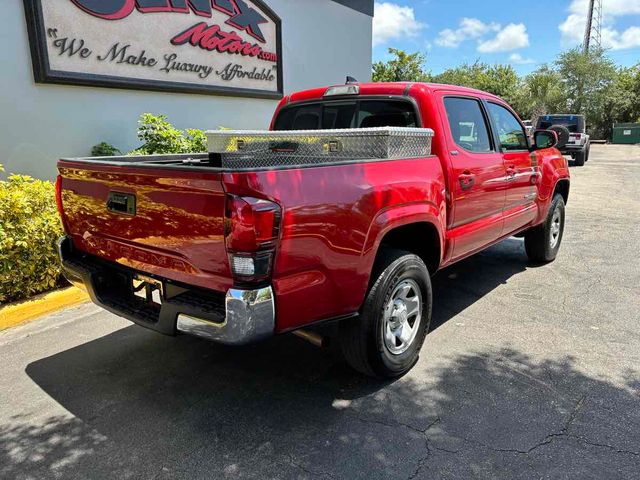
column 544, row 139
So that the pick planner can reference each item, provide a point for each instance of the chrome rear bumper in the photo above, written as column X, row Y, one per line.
column 239, row 318
column 250, row 316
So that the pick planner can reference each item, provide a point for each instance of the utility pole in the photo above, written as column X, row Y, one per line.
column 593, row 31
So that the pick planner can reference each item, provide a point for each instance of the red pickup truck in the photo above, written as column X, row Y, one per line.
column 341, row 212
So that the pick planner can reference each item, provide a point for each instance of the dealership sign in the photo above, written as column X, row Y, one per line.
column 229, row 47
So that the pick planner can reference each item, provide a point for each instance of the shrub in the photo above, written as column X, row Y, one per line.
column 158, row 136
column 29, row 228
column 104, row 149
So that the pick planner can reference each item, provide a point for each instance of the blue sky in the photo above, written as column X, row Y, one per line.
column 525, row 34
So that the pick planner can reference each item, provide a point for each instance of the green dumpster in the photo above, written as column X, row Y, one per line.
column 626, row 133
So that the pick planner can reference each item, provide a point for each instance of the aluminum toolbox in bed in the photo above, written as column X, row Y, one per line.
column 237, row 149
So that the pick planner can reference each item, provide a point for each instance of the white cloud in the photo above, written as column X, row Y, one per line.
column 392, row 21
column 573, row 27
column 512, row 37
column 469, row 28
column 518, row 59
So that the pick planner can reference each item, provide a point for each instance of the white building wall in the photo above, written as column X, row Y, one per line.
column 323, row 42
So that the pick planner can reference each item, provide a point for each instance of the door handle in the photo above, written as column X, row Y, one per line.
column 467, row 180
column 121, row 203
column 511, row 173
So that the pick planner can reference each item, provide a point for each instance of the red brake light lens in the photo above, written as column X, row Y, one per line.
column 252, row 228
column 251, row 224
column 59, row 194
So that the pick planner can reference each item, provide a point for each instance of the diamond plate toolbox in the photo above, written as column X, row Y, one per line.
column 281, row 149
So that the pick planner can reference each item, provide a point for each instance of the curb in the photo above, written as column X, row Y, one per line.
column 22, row 312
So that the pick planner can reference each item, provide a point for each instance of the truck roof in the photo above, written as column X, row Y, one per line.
column 387, row 88
column 558, row 115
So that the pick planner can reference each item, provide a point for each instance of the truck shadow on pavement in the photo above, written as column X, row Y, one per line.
column 143, row 405
column 457, row 287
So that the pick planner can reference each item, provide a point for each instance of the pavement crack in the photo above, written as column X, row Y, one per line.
column 605, row 445
column 441, row 449
column 548, row 440
column 306, row 470
column 397, row 424
column 574, row 414
column 421, row 462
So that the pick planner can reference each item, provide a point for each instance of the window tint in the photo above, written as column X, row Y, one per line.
column 374, row 113
column 575, row 123
column 573, row 127
column 306, row 117
column 339, row 115
column 512, row 135
column 468, row 126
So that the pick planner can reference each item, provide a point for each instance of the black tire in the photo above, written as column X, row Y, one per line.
column 537, row 241
column 586, row 157
column 363, row 339
column 563, row 135
column 580, row 158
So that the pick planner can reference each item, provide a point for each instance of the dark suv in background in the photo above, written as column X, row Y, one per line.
column 572, row 135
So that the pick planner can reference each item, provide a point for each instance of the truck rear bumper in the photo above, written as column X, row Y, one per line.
column 237, row 318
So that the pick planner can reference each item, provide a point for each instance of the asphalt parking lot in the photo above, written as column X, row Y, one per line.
column 528, row 372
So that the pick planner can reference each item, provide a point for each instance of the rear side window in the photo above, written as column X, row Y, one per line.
column 349, row 114
column 468, row 125
column 512, row 135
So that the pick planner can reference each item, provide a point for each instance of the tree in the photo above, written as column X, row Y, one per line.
column 501, row 80
column 403, row 67
column 542, row 92
column 577, row 82
column 587, row 78
column 623, row 101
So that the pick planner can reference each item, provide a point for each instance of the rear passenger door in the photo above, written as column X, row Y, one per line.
column 476, row 176
column 522, row 173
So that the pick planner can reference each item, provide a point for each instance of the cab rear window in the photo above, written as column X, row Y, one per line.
column 574, row 123
column 347, row 114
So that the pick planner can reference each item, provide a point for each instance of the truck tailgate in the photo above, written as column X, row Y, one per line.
column 159, row 221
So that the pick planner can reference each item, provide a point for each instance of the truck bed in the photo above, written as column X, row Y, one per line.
column 164, row 215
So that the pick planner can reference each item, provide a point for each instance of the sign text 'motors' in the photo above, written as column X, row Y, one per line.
column 204, row 46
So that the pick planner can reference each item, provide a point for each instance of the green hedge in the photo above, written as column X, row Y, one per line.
column 29, row 228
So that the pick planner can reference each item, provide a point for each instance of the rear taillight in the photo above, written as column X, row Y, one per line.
column 252, row 229
column 577, row 136
column 59, row 194
column 59, row 200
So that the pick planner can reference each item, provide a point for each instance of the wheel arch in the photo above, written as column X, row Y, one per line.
column 416, row 228
column 420, row 238
column 562, row 187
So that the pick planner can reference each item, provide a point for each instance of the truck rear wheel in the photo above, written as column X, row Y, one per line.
column 542, row 243
column 385, row 340
column 580, row 157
